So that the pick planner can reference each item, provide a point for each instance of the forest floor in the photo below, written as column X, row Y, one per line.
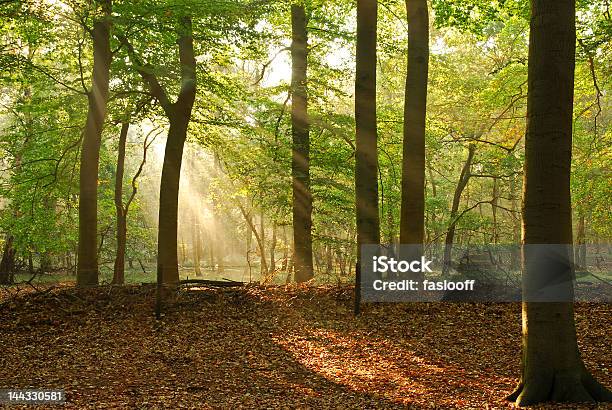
column 270, row 347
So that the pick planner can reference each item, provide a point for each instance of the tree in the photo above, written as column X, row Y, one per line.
column 97, row 97
column 300, row 164
column 412, row 222
column 552, row 369
column 179, row 115
column 119, row 268
column 464, row 179
column 122, row 209
column 366, row 149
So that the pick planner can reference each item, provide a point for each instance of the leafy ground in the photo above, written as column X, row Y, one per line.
column 275, row 347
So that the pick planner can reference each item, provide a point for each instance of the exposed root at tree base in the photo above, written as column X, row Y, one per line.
column 576, row 387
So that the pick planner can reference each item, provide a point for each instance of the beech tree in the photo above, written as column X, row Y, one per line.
column 97, row 97
column 366, row 150
column 552, row 369
column 179, row 115
column 300, row 164
column 412, row 221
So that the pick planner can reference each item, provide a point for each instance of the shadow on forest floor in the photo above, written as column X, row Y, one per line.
column 269, row 347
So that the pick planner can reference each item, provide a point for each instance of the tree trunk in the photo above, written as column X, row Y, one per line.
column 366, row 150
column 179, row 115
column 7, row 264
column 552, row 369
column 87, row 270
column 412, row 224
column 300, row 164
column 272, row 267
column 516, row 227
column 464, row 178
column 258, row 239
column 196, row 244
column 580, row 249
column 119, row 268
column 262, row 244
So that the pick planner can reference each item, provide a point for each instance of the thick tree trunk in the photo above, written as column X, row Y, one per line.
column 366, row 149
column 119, row 268
column 366, row 138
column 464, row 178
column 300, row 164
column 87, row 270
column 552, row 369
column 412, row 224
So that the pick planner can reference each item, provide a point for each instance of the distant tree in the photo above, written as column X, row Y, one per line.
column 300, row 164
column 552, row 369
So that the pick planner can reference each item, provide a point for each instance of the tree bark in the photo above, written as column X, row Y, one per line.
column 272, row 267
column 552, row 369
column 87, row 269
column 119, row 268
column 464, row 178
column 7, row 263
column 580, row 248
column 515, row 251
column 412, row 224
column 300, row 164
column 219, row 240
column 179, row 115
column 197, row 245
column 366, row 149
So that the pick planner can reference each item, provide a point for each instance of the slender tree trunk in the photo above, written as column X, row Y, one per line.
column 412, row 224
column 464, row 178
column 249, row 238
column 219, row 239
column 179, row 115
column 119, row 268
column 87, row 270
column 300, row 164
column 285, row 250
column 262, row 244
column 259, row 239
column 494, row 201
column 516, row 227
column 167, row 251
column 580, row 248
column 196, row 244
column 552, row 369
column 272, row 267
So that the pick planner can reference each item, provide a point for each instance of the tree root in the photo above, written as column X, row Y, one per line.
column 560, row 387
